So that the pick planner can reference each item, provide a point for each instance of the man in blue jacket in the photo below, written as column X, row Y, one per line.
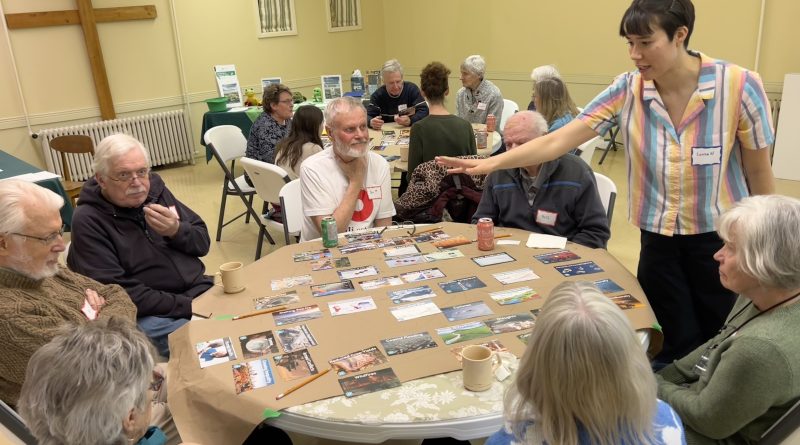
column 129, row 229
column 555, row 198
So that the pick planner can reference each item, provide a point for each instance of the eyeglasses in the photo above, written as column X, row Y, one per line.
column 142, row 174
column 47, row 240
column 286, row 102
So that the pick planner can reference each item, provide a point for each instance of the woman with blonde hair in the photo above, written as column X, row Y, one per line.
column 552, row 99
column 585, row 379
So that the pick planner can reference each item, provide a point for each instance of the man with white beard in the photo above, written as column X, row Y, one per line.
column 346, row 181
column 129, row 229
column 37, row 295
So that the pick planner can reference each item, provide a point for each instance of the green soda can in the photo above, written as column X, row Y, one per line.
column 330, row 235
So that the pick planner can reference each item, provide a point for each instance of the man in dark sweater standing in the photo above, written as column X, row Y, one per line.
column 129, row 229
column 396, row 101
column 558, row 197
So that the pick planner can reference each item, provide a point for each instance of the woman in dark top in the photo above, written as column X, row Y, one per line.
column 273, row 125
column 441, row 133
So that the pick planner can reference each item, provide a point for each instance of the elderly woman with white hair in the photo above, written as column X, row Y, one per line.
column 91, row 385
column 585, row 379
column 541, row 73
column 740, row 382
column 478, row 97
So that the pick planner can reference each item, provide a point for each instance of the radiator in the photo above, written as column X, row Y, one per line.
column 165, row 135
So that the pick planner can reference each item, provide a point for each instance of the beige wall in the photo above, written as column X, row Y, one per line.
column 142, row 59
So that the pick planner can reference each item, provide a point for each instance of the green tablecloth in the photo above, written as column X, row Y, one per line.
column 11, row 166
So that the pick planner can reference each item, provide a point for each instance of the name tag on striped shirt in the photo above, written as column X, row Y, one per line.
column 706, row 155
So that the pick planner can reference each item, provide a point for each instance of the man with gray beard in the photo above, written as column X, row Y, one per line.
column 346, row 181
column 37, row 295
column 129, row 229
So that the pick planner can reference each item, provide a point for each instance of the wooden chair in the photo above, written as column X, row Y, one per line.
column 71, row 144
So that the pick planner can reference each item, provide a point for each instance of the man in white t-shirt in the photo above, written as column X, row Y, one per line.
column 346, row 181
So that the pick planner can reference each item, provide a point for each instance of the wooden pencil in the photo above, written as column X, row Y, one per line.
column 265, row 311
column 505, row 235
column 302, row 384
column 428, row 230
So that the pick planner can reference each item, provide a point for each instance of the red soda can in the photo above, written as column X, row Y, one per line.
column 491, row 123
column 485, row 234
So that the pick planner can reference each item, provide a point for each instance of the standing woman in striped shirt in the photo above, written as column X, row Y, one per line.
column 696, row 132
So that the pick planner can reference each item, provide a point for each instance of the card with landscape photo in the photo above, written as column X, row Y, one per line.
column 515, row 276
column 422, row 275
column 358, row 246
column 467, row 310
column 585, row 268
column 369, row 382
column 294, row 365
column 408, row 343
column 214, row 352
column 556, row 257
column 252, row 375
column 357, row 237
column 351, row 306
column 398, row 251
column 258, row 344
column 434, row 235
column 627, row 301
column 608, row 286
column 289, row 282
column 297, row 315
column 295, row 338
column 510, row 323
column 513, row 296
column 380, row 282
column 284, row 299
column 407, row 260
column 329, row 263
column 357, row 272
column 312, row 255
column 494, row 345
column 411, row 294
column 338, row 287
column 444, row 254
column 414, row 310
column 463, row 332
column 492, row 259
column 358, row 361
column 524, row 337
column 462, row 285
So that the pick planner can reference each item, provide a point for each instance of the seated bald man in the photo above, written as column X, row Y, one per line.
column 558, row 197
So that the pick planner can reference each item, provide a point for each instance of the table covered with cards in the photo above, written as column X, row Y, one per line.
column 388, row 314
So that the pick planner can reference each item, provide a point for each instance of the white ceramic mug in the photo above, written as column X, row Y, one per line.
column 478, row 364
column 232, row 277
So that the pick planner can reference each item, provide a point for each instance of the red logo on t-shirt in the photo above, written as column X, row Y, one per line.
column 364, row 207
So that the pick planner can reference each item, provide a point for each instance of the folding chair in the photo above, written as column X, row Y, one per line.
column 292, row 208
column 268, row 180
column 228, row 144
column 608, row 193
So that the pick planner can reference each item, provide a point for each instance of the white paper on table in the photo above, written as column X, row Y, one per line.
column 542, row 241
column 236, row 109
column 508, row 242
column 35, row 177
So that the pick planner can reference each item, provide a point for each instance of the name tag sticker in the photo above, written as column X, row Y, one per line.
column 546, row 218
column 374, row 192
column 481, row 105
column 401, row 107
column 706, row 155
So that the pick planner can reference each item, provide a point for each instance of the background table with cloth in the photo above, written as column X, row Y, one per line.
column 11, row 167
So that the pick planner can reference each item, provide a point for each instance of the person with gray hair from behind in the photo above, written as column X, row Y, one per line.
column 129, row 229
column 345, row 181
column 397, row 100
column 541, row 73
column 741, row 381
column 91, row 385
column 558, row 197
column 478, row 97
column 585, row 379
column 37, row 294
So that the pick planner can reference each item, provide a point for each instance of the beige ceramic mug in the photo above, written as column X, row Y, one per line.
column 232, row 277
column 403, row 153
column 479, row 364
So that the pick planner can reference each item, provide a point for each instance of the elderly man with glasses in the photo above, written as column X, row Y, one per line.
column 37, row 295
column 129, row 229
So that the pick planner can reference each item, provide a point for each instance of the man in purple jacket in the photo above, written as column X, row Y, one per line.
column 129, row 229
